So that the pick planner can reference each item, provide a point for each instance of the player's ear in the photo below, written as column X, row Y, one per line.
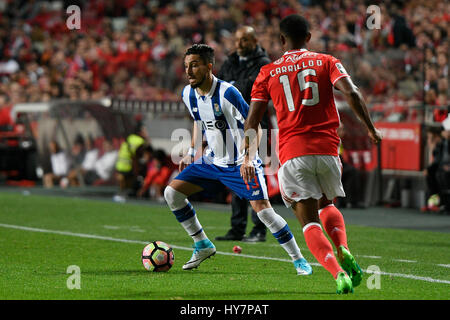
column 308, row 37
column 282, row 39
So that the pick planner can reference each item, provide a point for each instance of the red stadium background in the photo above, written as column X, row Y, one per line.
column 131, row 51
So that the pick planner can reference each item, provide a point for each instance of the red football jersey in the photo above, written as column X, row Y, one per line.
column 300, row 85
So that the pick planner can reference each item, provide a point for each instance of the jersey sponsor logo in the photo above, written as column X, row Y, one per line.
column 214, row 124
column 293, row 58
column 279, row 61
column 220, row 124
column 341, row 68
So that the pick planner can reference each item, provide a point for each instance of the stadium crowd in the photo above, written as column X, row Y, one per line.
column 134, row 49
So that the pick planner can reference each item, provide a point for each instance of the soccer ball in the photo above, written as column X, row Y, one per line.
column 157, row 256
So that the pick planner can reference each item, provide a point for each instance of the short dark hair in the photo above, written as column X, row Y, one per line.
column 295, row 27
column 205, row 52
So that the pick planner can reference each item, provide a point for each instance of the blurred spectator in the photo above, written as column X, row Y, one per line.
column 443, row 171
column 351, row 176
column 86, row 163
column 91, row 155
column 103, row 167
column 147, row 159
column 78, row 152
column 157, row 177
column 434, row 138
column 6, row 122
column 128, row 164
column 438, row 172
column 139, row 57
column 60, row 164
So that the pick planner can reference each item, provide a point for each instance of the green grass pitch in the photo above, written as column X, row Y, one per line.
column 41, row 236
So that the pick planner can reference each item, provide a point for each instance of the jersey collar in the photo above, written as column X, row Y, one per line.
column 211, row 91
column 295, row 51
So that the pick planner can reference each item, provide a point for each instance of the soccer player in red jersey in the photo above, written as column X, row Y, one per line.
column 300, row 85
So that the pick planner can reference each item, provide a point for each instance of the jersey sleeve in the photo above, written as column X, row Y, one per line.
column 234, row 97
column 260, row 90
column 185, row 97
column 336, row 70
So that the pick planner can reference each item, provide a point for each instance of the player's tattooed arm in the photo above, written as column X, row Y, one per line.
column 358, row 105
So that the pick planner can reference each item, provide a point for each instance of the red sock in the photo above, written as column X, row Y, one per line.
column 321, row 248
column 333, row 223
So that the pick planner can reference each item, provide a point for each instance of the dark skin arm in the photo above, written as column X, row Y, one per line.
column 354, row 99
column 356, row 102
column 256, row 112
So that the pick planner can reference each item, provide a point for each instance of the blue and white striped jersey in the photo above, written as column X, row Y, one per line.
column 222, row 113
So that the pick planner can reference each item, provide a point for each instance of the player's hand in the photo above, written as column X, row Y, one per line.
column 375, row 135
column 187, row 160
column 247, row 170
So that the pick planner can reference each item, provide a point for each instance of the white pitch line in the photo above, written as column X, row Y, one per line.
column 97, row 237
column 369, row 257
column 404, row 260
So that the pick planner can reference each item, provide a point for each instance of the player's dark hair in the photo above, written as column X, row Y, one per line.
column 205, row 52
column 295, row 27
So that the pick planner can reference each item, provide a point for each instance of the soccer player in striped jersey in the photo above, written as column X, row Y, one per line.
column 219, row 111
column 300, row 84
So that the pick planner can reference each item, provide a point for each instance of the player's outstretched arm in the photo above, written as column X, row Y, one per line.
column 251, row 132
column 356, row 102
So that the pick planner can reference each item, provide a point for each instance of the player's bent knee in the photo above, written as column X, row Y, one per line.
column 174, row 198
column 271, row 219
column 259, row 205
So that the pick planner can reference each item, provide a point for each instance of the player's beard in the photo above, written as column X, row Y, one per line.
column 199, row 83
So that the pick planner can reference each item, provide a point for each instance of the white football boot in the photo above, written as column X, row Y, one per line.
column 203, row 250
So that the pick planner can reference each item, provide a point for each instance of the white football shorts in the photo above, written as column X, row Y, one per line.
column 310, row 176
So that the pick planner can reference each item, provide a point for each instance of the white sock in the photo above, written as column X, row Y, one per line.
column 184, row 213
column 280, row 230
column 194, row 228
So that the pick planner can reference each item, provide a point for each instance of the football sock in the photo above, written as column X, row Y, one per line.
column 333, row 223
column 280, row 230
column 185, row 214
column 321, row 248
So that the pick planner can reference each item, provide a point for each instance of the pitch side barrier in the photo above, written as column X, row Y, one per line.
column 63, row 120
column 385, row 171
column 392, row 172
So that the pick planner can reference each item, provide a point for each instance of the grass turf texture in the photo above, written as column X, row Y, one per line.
column 33, row 264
